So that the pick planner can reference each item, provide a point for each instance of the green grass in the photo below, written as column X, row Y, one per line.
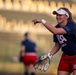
column 10, row 46
column 18, row 68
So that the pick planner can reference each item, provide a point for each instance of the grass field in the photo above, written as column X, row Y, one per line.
column 10, row 46
column 17, row 68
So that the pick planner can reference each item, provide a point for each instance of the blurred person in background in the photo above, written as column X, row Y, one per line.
column 64, row 36
column 28, row 54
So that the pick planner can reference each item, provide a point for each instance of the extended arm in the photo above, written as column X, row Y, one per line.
column 50, row 27
column 54, row 30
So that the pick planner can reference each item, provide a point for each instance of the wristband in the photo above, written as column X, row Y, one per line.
column 49, row 55
column 43, row 21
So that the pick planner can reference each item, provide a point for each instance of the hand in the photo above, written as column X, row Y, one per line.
column 21, row 58
column 43, row 62
column 35, row 21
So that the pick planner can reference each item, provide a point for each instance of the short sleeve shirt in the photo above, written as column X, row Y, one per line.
column 67, row 41
column 30, row 46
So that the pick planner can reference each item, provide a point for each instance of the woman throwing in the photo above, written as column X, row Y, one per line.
column 65, row 38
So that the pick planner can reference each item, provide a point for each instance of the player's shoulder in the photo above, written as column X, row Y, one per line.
column 57, row 26
column 24, row 41
column 71, row 24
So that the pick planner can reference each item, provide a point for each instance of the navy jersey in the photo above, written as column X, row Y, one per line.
column 30, row 46
column 67, row 41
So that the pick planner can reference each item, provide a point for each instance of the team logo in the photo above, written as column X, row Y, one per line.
column 62, row 40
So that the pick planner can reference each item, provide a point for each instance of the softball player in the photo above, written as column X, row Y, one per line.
column 28, row 54
column 65, row 38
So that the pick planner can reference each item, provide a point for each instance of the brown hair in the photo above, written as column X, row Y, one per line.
column 26, row 34
column 70, row 19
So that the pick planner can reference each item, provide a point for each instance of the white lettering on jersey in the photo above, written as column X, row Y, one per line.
column 61, row 39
